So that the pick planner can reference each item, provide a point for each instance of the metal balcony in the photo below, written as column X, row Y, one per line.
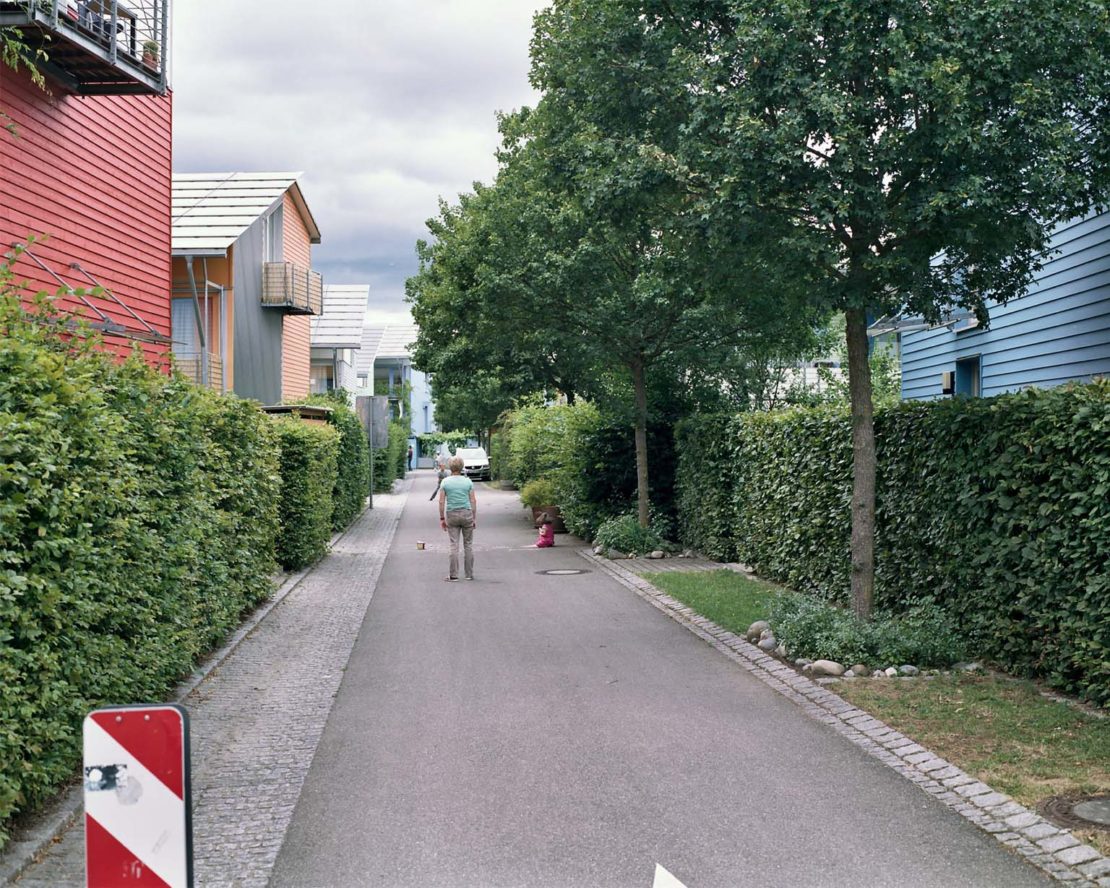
column 204, row 368
column 96, row 47
column 292, row 288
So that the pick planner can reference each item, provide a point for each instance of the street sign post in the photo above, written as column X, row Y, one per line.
column 138, row 821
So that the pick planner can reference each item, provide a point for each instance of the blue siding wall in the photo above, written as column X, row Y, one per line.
column 1059, row 331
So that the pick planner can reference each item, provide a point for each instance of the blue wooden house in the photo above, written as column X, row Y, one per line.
column 1059, row 331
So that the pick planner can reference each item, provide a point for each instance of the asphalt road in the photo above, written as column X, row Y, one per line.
column 532, row 730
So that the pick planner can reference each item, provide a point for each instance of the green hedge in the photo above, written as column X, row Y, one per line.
column 309, row 456
column 391, row 462
column 590, row 458
column 352, row 477
column 137, row 518
column 429, row 441
column 997, row 509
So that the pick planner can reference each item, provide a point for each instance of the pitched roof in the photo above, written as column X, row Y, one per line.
column 364, row 357
column 211, row 210
column 397, row 341
column 340, row 326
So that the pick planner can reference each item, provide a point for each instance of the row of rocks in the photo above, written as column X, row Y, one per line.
column 618, row 555
column 762, row 636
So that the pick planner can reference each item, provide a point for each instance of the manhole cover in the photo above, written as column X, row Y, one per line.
column 1087, row 812
column 561, row 572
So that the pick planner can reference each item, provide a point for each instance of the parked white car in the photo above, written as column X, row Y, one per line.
column 475, row 462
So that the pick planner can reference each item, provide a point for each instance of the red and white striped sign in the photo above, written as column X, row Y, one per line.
column 137, row 811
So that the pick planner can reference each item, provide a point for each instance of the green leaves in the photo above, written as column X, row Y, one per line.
column 137, row 524
column 309, row 458
column 995, row 509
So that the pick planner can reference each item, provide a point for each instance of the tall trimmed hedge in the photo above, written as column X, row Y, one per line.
column 352, row 476
column 137, row 518
column 391, row 462
column 997, row 508
column 309, row 456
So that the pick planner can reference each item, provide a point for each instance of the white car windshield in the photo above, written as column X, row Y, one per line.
column 471, row 453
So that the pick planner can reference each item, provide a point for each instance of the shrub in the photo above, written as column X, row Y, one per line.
column 537, row 432
column 924, row 637
column 996, row 509
column 352, row 477
column 137, row 521
column 391, row 462
column 429, row 441
column 537, row 493
column 309, row 454
column 625, row 534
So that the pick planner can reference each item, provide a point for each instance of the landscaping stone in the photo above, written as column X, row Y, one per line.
column 768, row 644
column 657, row 554
column 909, row 670
column 826, row 667
column 615, row 554
column 756, row 629
column 878, row 673
column 802, row 662
column 599, row 550
column 859, row 669
column 968, row 667
column 890, row 672
column 780, row 651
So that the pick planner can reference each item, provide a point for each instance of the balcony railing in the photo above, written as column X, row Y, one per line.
column 97, row 47
column 203, row 368
column 292, row 288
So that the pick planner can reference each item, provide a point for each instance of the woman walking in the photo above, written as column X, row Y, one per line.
column 458, row 514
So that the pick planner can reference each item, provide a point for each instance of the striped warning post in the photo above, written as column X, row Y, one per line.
column 137, row 806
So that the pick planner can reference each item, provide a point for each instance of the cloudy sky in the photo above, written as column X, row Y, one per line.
column 385, row 105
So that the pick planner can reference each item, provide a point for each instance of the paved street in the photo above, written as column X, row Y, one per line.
column 532, row 730
column 526, row 730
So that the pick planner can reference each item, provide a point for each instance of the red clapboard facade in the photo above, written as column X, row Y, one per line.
column 93, row 175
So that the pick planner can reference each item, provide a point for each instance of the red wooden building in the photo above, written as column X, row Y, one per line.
column 88, row 173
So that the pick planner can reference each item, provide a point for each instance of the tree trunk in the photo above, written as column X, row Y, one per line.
column 640, row 388
column 863, row 465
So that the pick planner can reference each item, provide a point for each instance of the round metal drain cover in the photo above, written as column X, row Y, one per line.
column 1085, row 812
column 561, row 572
column 1095, row 810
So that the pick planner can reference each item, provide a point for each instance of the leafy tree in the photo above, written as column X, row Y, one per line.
column 912, row 155
column 16, row 53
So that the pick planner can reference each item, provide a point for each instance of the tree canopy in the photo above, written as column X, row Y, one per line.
column 910, row 155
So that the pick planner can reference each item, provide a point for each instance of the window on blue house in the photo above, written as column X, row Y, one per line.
column 967, row 377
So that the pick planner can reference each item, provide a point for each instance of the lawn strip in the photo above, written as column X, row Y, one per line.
column 1000, row 731
column 727, row 598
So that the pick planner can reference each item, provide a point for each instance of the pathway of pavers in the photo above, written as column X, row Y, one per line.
column 257, row 718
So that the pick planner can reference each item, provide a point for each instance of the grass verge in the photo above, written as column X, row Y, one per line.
column 724, row 596
column 1001, row 731
column 997, row 729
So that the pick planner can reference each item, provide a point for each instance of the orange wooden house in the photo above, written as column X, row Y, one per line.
column 243, row 285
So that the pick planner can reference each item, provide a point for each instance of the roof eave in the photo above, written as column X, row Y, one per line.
column 306, row 213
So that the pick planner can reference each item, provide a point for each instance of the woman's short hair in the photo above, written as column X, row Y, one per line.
column 455, row 463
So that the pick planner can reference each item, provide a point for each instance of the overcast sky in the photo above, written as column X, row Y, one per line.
column 385, row 106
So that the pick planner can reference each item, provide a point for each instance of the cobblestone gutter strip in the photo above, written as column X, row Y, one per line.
column 1045, row 845
column 237, row 718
